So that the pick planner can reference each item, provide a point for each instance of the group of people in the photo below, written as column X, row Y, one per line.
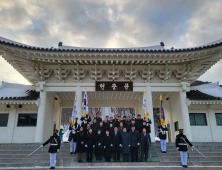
column 111, row 137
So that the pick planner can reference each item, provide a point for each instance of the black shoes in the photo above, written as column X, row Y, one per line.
column 185, row 166
column 71, row 153
column 74, row 152
column 52, row 167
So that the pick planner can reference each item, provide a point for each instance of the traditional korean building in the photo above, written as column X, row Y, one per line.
column 113, row 77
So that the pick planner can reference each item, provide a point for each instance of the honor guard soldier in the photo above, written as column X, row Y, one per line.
column 85, row 121
column 162, row 135
column 182, row 145
column 53, row 148
column 73, row 136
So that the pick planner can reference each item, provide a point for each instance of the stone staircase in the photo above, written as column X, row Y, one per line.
column 212, row 150
column 15, row 156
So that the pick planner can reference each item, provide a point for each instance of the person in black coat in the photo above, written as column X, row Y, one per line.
column 98, row 119
column 135, row 142
column 116, row 144
column 73, row 136
column 139, row 123
column 133, row 123
column 120, row 128
column 98, row 145
column 145, row 143
column 182, row 145
column 146, row 126
column 117, row 123
column 85, row 121
column 163, row 135
column 106, row 125
column 124, row 121
column 94, row 126
column 111, row 121
column 128, row 124
column 89, row 144
column 101, row 128
column 111, row 128
column 125, row 145
column 80, row 149
column 53, row 148
column 107, row 142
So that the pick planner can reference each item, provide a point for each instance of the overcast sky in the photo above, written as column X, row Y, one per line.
column 112, row 23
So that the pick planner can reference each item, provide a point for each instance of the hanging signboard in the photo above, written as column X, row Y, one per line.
column 114, row 86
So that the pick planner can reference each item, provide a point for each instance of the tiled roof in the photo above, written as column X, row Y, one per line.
column 197, row 95
column 136, row 49
column 17, row 92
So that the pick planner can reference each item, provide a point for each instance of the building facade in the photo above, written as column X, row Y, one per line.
column 112, row 77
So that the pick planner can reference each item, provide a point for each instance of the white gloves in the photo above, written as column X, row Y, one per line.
column 85, row 118
column 138, row 144
column 73, row 128
column 129, row 146
column 86, row 146
column 120, row 145
column 41, row 146
column 93, row 146
column 104, row 147
column 111, row 145
column 193, row 147
column 99, row 144
column 57, row 150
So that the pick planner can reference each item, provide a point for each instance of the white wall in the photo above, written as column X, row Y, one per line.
column 211, row 132
column 12, row 133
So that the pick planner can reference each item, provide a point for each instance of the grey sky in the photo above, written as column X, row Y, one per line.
column 116, row 23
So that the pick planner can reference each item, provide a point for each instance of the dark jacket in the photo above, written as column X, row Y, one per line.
column 80, row 138
column 134, row 138
column 98, row 120
column 94, row 127
column 182, row 141
column 125, row 143
column 107, row 141
column 103, row 132
column 128, row 125
column 116, row 140
column 111, row 130
column 106, row 126
column 139, row 125
column 54, row 144
column 120, row 130
column 73, row 132
column 99, row 144
column 162, row 132
column 117, row 123
column 89, row 140
column 145, row 141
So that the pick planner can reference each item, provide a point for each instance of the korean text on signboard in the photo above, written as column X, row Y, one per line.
column 114, row 86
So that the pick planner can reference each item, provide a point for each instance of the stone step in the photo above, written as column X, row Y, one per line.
column 191, row 154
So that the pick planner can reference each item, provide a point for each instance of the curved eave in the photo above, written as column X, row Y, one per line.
column 104, row 50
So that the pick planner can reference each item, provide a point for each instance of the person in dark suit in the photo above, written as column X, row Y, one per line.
column 135, row 142
column 145, row 143
column 94, row 126
column 101, row 128
column 80, row 149
column 107, row 142
column 53, row 148
column 125, row 145
column 128, row 124
column 98, row 145
column 111, row 128
column 139, row 123
column 117, row 123
column 116, row 144
column 111, row 121
column 106, row 125
column 89, row 144
column 120, row 128
column 98, row 119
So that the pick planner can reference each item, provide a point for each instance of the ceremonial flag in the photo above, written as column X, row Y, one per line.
column 162, row 114
column 74, row 112
column 85, row 105
column 144, row 107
